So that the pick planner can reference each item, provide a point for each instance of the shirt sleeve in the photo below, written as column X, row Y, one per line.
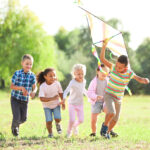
column 67, row 90
column 14, row 77
column 41, row 92
column 92, row 90
column 132, row 74
column 33, row 81
column 60, row 90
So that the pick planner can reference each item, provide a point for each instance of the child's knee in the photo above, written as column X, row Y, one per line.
column 57, row 120
column 49, row 123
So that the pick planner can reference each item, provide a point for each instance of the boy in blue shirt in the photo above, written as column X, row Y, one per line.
column 23, row 85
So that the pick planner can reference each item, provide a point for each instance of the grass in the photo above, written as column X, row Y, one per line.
column 133, row 128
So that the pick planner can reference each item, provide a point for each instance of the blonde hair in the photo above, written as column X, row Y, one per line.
column 78, row 67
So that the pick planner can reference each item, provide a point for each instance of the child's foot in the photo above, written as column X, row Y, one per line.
column 103, row 131
column 113, row 134
column 58, row 128
column 75, row 130
column 50, row 135
column 68, row 135
column 93, row 134
column 15, row 131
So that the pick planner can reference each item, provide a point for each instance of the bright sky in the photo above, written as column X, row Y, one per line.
column 134, row 15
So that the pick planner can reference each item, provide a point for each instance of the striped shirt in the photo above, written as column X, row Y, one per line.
column 22, row 79
column 118, row 82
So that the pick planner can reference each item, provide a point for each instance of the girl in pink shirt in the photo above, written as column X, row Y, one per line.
column 49, row 93
column 95, row 93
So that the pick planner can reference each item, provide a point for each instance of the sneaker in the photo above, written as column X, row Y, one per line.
column 50, row 135
column 93, row 134
column 103, row 131
column 75, row 131
column 108, row 136
column 68, row 135
column 15, row 131
column 113, row 134
column 58, row 128
column 102, row 128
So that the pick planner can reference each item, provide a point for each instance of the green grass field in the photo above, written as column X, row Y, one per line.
column 133, row 128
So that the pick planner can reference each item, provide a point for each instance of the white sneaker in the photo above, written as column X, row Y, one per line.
column 68, row 135
column 75, row 130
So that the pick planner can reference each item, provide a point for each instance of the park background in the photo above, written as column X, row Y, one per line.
column 21, row 32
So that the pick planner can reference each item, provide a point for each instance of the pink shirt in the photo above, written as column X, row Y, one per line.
column 49, row 91
column 92, row 90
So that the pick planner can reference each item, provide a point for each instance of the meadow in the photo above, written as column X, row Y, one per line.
column 133, row 128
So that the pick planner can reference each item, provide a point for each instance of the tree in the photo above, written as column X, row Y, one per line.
column 21, row 32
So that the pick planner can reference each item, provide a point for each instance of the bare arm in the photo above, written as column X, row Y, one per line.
column 141, row 80
column 102, row 55
column 44, row 99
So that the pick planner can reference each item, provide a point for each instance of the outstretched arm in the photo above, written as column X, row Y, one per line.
column 102, row 55
column 141, row 80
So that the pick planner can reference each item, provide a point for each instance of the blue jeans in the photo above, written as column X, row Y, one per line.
column 48, row 113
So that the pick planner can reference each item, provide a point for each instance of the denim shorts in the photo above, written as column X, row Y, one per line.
column 49, row 113
column 97, row 108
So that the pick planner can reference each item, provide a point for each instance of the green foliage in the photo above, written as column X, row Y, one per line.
column 21, row 32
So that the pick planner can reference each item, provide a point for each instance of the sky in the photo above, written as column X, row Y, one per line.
column 134, row 15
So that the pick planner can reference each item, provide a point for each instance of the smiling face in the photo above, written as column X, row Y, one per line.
column 79, row 75
column 27, row 65
column 120, row 68
column 50, row 77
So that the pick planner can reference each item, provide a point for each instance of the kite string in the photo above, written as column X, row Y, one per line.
column 94, row 52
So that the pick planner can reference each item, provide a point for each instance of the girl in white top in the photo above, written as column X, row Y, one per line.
column 49, row 93
column 76, row 88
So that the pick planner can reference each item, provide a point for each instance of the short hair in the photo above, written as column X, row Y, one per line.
column 78, row 67
column 123, row 60
column 27, row 56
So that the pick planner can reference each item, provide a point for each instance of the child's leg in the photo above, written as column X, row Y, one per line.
column 111, row 111
column 24, row 108
column 71, row 117
column 116, row 117
column 49, row 119
column 57, row 116
column 49, row 127
column 80, row 115
column 15, row 106
column 93, row 122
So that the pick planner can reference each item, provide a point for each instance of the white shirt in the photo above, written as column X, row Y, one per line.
column 49, row 91
column 76, row 89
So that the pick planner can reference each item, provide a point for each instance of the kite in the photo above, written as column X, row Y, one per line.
column 101, row 31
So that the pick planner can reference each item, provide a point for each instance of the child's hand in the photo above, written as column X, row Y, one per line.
column 63, row 104
column 105, row 42
column 32, row 94
column 24, row 91
column 99, row 97
column 146, row 81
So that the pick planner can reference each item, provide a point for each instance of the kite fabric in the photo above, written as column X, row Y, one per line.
column 101, row 31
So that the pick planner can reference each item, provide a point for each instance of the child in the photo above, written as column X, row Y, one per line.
column 49, row 93
column 96, row 92
column 119, row 78
column 76, row 88
column 23, row 85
